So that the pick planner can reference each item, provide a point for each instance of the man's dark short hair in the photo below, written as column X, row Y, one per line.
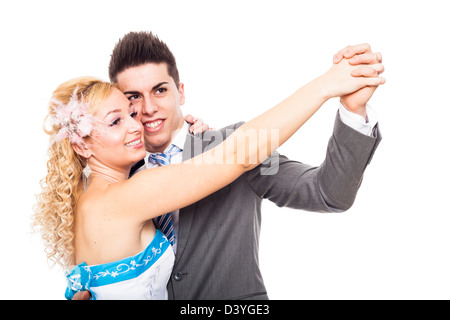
column 138, row 48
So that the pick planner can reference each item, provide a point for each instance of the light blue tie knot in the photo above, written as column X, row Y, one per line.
column 163, row 159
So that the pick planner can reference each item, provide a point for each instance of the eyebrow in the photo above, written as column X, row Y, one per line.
column 153, row 89
column 112, row 111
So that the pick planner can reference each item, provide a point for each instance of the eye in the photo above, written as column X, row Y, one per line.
column 134, row 114
column 115, row 122
column 161, row 91
column 133, row 97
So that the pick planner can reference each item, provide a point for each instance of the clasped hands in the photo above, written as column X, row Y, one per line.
column 372, row 66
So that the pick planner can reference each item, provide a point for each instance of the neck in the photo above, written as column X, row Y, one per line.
column 108, row 173
column 109, row 177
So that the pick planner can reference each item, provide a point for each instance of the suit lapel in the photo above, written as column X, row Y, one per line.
column 135, row 167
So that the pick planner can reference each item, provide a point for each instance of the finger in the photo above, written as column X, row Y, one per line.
column 195, row 123
column 82, row 295
column 364, row 71
column 357, row 49
column 195, row 129
column 379, row 57
column 365, row 58
column 379, row 67
column 378, row 81
column 350, row 51
column 340, row 55
column 189, row 118
column 199, row 126
column 200, row 129
column 368, row 71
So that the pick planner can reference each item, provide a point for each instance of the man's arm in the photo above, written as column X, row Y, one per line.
column 331, row 187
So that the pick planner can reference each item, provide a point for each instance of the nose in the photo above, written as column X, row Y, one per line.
column 135, row 125
column 149, row 107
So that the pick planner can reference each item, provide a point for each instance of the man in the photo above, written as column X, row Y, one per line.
column 217, row 239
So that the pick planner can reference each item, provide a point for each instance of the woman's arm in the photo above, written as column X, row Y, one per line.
column 151, row 193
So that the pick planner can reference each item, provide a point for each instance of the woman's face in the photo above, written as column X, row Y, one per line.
column 117, row 142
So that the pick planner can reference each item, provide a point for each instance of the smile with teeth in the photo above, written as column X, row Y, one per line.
column 153, row 124
column 133, row 143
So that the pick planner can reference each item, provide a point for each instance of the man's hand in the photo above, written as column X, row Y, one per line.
column 82, row 295
column 359, row 55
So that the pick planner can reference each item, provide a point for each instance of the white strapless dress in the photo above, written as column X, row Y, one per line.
column 143, row 276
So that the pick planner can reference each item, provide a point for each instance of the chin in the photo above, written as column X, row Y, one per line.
column 138, row 156
column 157, row 142
column 141, row 155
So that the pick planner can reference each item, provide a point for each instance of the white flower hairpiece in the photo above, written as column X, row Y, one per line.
column 73, row 119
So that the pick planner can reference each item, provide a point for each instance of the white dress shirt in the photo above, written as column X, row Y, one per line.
column 351, row 119
column 358, row 122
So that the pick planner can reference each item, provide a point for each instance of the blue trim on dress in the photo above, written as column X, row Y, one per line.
column 82, row 277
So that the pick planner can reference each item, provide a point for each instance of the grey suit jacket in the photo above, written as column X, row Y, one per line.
column 218, row 237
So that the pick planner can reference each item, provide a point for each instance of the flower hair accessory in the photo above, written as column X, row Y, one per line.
column 73, row 119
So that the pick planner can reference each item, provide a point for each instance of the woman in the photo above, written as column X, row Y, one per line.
column 106, row 227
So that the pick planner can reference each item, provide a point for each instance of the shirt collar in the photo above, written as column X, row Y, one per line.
column 179, row 140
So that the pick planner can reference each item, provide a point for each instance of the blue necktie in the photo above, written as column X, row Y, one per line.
column 164, row 222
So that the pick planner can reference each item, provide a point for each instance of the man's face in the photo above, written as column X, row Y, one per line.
column 156, row 97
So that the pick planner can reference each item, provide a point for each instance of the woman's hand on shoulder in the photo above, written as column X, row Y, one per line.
column 197, row 124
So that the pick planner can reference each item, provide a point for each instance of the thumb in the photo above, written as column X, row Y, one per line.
column 189, row 118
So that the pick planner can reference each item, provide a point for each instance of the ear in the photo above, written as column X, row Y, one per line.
column 83, row 151
column 181, row 92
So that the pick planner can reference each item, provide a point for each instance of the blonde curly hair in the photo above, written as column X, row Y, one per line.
column 55, row 210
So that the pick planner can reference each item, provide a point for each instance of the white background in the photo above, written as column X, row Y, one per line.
column 237, row 59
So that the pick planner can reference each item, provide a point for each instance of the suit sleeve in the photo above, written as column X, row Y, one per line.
column 331, row 187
